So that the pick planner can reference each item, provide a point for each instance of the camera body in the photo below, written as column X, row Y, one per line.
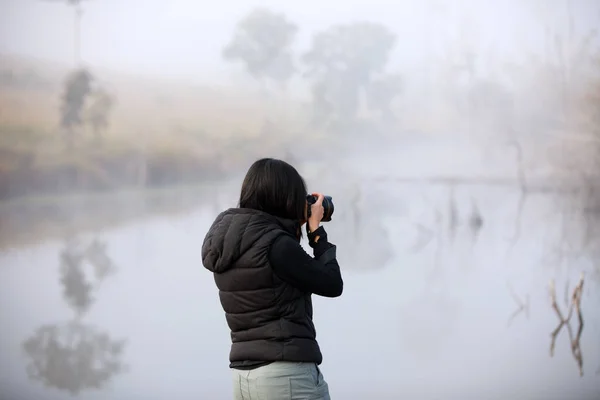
column 328, row 207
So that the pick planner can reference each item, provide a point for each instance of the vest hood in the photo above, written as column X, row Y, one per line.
column 234, row 232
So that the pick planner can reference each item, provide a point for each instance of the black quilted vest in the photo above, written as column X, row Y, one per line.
column 269, row 319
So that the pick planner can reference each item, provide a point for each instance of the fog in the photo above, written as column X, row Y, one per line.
column 460, row 142
column 184, row 38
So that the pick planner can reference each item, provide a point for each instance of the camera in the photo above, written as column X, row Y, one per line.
column 327, row 207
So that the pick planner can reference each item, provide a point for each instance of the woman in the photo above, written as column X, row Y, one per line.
column 265, row 281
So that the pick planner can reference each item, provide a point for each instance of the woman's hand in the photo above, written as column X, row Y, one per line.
column 316, row 213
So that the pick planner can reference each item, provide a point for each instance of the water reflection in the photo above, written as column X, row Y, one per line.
column 78, row 282
column 407, row 320
column 74, row 356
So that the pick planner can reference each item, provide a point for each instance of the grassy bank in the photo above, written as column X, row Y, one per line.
column 166, row 142
column 160, row 133
column 48, row 191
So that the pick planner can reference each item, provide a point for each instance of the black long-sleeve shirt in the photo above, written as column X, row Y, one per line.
column 319, row 275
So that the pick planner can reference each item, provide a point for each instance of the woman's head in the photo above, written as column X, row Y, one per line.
column 275, row 187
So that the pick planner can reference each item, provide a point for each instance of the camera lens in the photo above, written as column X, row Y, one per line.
column 328, row 207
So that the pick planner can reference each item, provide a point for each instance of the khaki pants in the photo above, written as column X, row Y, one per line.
column 280, row 381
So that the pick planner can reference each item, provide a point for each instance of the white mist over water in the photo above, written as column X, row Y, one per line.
column 416, row 327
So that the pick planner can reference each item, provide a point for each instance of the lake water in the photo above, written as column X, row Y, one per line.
column 425, row 312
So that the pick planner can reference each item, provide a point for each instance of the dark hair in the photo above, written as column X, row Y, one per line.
column 275, row 187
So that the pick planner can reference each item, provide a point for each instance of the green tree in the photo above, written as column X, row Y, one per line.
column 342, row 62
column 262, row 41
column 78, row 87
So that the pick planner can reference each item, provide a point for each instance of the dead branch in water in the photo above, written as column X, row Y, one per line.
column 522, row 306
column 575, row 305
column 475, row 221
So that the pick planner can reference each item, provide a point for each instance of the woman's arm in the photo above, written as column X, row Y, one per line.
column 319, row 275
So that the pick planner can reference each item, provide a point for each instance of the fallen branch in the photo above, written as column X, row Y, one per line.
column 575, row 305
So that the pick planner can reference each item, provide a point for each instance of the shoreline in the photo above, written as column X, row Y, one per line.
column 34, row 220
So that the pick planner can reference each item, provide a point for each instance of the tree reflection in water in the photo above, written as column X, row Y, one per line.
column 78, row 287
column 75, row 356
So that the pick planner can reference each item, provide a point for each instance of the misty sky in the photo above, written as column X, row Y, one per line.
column 183, row 38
